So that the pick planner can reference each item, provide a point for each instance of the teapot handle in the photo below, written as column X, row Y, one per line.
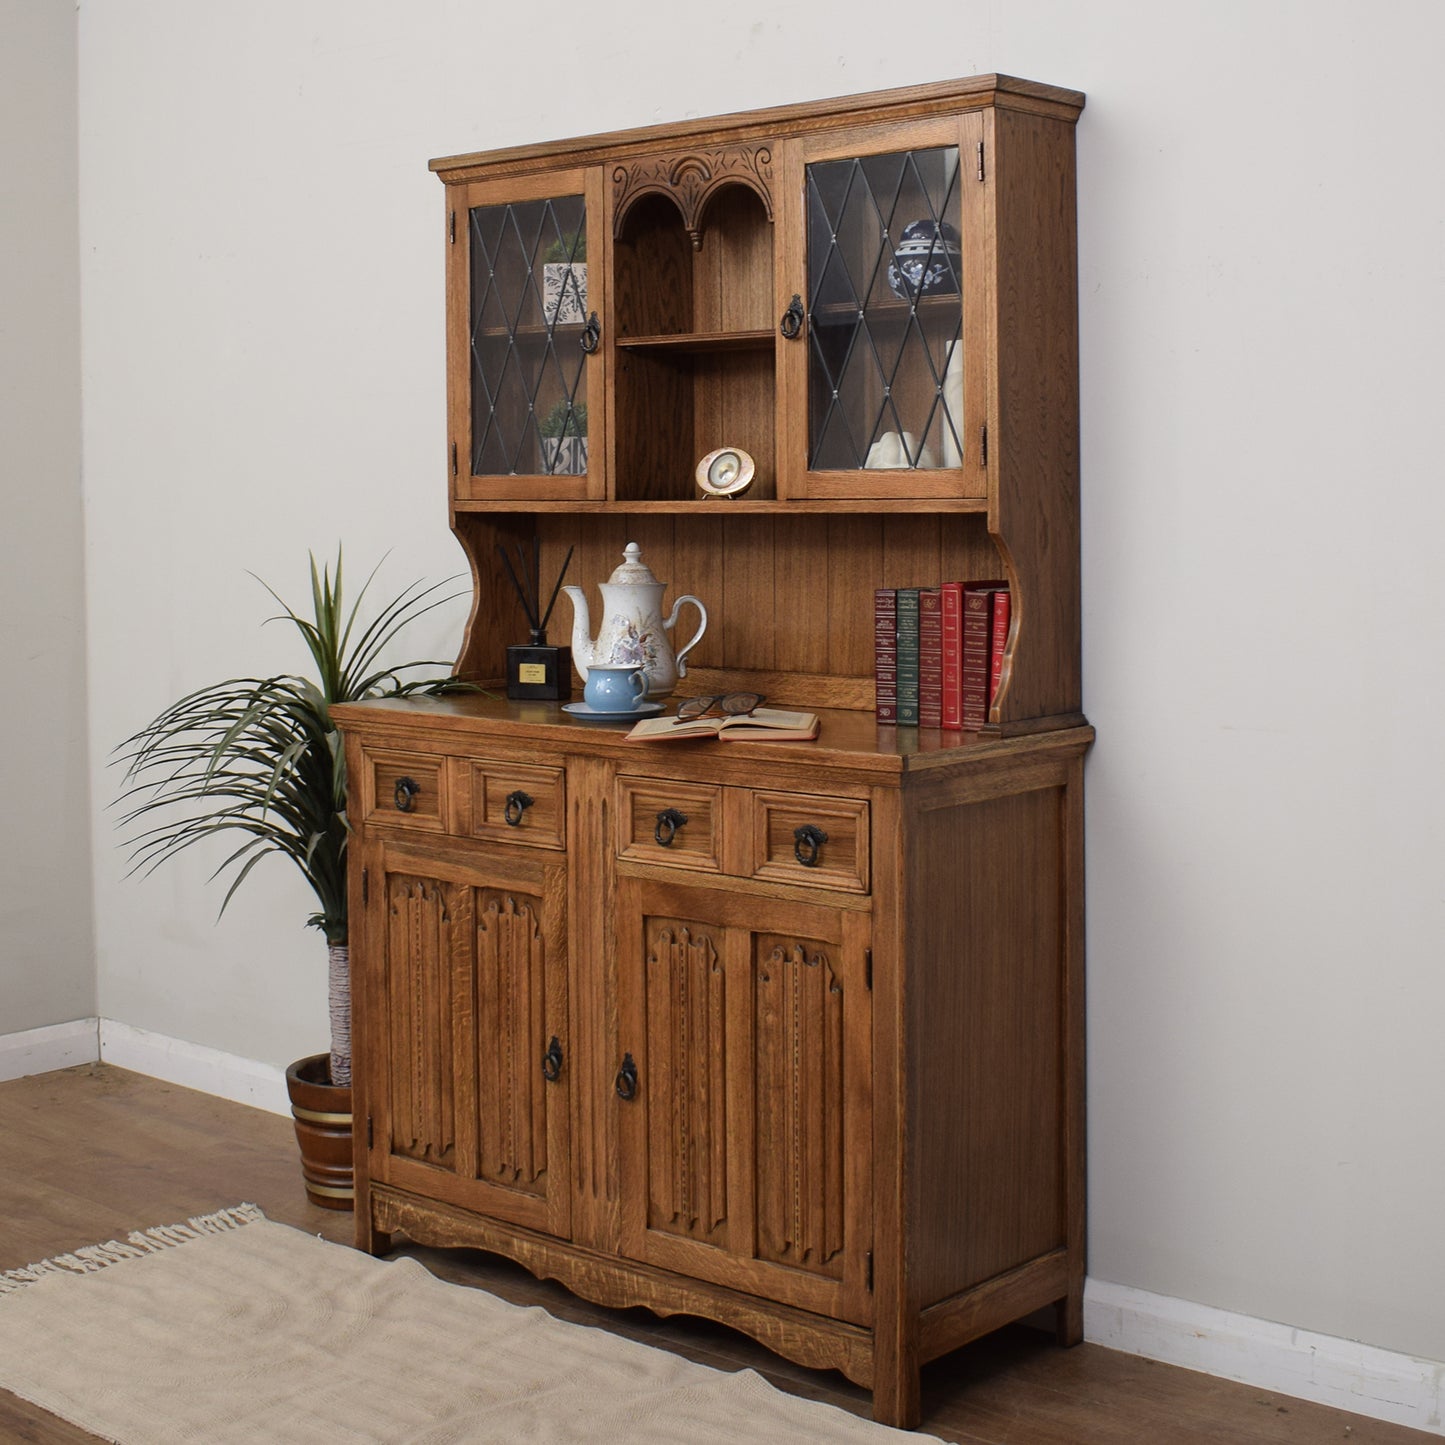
column 682, row 652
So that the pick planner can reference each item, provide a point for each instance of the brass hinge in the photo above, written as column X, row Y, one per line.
column 454, row 459
column 452, row 225
column 365, row 885
column 868, row 969
column 870, row 1271
column 369, row 1132
column 980, row 159
column 983, row 445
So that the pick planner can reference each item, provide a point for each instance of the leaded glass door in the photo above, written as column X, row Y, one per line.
column 525, row 315
column 886, row 392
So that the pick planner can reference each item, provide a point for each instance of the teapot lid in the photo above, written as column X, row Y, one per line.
column 633, row 570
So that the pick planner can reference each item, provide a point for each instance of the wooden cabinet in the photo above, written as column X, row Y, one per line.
column 785, row 1035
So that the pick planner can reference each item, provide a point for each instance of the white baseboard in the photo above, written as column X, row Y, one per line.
column 57, row 1046
column 194, row 1066
column 1330, row 1371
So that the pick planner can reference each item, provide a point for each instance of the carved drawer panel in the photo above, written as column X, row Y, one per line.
column 800, row 838
column 404, row 790
column 507, row 802
column 672, row 823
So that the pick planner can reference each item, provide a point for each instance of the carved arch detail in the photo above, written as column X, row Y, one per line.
column 690, row 179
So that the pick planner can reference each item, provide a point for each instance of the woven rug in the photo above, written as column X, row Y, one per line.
column 231, row 1328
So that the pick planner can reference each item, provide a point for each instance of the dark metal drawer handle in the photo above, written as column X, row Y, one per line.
column 552, row 1061
column 792, row 322
column 808, row 844
column 517, row 804
column 668, row 822
column 405, row 793
column 627, row 1078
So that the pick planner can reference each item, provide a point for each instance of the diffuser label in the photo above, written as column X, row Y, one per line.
column 532, row 672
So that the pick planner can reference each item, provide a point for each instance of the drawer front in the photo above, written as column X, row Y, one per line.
column 817, row 841
column 515, row 803
column 676, row 824
column 404, row 790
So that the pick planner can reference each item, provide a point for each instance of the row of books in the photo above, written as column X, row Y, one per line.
column 938, row 653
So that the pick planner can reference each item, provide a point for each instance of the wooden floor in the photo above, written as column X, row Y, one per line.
column 93, row 1152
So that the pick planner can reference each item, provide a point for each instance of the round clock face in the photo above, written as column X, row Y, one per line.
column 725, row 472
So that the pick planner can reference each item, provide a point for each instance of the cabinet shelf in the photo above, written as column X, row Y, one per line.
column 700, row 342
column 723, row 507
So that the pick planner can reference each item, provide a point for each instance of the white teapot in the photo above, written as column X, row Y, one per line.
column 633, row 631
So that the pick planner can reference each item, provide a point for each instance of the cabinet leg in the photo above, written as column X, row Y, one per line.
column 1069, row 1318
column 370, row 1240
column 895, row 1396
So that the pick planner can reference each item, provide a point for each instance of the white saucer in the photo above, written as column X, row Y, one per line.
column 581, row 709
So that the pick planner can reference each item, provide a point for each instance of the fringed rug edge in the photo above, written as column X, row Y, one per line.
column 136, row 1245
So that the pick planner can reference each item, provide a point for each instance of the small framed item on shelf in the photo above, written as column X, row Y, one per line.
column 725, row 472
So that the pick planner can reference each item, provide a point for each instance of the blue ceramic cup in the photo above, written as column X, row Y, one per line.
column 615, row 689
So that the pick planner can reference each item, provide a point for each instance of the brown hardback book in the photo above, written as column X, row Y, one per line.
column 762, row 725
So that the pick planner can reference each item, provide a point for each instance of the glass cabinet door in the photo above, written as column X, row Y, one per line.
column 531, row 336
column 886, row 342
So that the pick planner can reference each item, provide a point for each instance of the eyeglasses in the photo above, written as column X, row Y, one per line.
column 731, row 704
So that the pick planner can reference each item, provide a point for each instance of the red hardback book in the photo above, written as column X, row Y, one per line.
column 952, row 599
column 1001, row 611
column 930, row 657
column 978, row 599
column 885, row 654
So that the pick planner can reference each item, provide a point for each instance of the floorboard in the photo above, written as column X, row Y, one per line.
column 94, row 1152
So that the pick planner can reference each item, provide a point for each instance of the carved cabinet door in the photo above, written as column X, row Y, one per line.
column 466, row 1017
column 744, row 1092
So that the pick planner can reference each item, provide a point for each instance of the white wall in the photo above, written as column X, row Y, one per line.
column 47, row 965
column 1261, row 229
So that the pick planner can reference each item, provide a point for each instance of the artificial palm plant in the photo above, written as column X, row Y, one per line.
column 261, row 757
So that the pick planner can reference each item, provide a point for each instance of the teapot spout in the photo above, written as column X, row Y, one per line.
column 582, row 649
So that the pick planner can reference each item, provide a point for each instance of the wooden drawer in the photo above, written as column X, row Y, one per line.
column 834, row 854
column 404, row 790
column 513, row 802
column 648, row 833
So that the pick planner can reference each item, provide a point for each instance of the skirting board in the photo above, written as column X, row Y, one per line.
column 1329, row 1371
column 194, row 1066
column 56, row 1046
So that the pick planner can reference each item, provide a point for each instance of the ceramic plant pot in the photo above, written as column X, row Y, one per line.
column 322, row 1111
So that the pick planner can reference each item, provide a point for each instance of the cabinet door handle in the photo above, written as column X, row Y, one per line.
column 627, row 1078
column 517, row 804
column 552, row 1061
column 591, row 334
column 405, row 793
column 668, row 822
column 808, row 844
column 792, row 323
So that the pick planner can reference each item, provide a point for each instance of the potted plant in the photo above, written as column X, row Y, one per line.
column 261, row 758
column 564, row 439
column 564, row 280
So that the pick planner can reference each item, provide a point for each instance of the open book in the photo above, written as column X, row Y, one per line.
column 762, row 725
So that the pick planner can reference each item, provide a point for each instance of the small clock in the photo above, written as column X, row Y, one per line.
column 725, row 472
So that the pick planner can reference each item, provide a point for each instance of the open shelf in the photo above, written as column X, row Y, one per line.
column 700, row 342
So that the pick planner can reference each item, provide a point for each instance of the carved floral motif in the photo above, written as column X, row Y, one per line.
column 689, row 180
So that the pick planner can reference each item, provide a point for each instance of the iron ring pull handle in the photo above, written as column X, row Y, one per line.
column 552, row 1061
column 517, row 804
column 591, row 335
column 405, row 793
column 792, row 323
column 668, row 822
column 627, row 1078
column 808, row 844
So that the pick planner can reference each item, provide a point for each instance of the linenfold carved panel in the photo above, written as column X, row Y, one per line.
column 511, row 965
column 687, row 1102
column 421, row 1065
column 689, row 179
column 799, row 1093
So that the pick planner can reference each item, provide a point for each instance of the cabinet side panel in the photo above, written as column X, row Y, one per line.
column 1035, row 434
column 985, row 1008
